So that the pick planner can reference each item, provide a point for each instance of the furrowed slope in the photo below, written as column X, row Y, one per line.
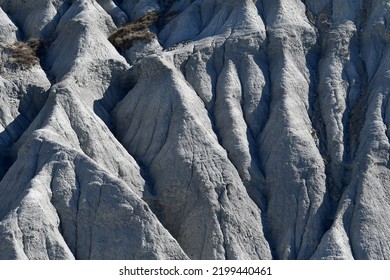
column 224, row 130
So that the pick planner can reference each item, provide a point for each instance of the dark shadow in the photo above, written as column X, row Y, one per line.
column 51, row 26
column 121, row 83
column 8, row 137
column 46, row 41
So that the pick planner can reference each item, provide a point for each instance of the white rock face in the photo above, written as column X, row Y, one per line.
column 33, row 17
column 243, row 130
column 8, row 29
column 177, row 138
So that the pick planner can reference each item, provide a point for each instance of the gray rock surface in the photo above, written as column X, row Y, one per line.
column 245, row 130
column 8, row 29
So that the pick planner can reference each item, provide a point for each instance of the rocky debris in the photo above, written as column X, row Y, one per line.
column 241, row 130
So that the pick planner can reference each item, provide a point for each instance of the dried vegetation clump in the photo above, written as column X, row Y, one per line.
column 125, row 37
column 23, row 54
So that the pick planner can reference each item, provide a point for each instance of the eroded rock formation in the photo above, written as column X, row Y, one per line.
column 221, row 130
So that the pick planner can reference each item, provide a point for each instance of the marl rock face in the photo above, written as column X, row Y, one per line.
column 224, row 130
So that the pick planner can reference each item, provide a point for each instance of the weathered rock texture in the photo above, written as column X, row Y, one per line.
column 224, row 130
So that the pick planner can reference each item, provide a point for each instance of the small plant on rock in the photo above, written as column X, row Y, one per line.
column 23, row 54
column 125, row 37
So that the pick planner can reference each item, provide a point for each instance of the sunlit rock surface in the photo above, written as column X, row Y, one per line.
column 221, row 130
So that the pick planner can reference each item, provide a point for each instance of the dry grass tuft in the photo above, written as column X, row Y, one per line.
column 24, row 54
column 125, row 37
column 35, row 44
